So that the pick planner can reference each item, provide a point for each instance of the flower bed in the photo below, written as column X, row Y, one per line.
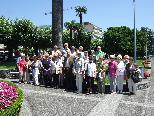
column 11, row 98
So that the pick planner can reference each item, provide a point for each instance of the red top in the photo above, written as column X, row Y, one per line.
column 22, row 65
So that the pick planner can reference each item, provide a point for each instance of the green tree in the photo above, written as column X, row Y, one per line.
column 141, row 43
column 80, row 10
column 44, row 35
column 150, row 39
column 6, row 34
column 5, row 31
column 118, row 40
column 23, row 32
column 97, row 42
column 75, row 30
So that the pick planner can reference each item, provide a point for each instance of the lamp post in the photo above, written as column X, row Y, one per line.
column 134, row 33
column 146, row 49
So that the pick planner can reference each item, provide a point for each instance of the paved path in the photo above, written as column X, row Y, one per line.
column 57, row 102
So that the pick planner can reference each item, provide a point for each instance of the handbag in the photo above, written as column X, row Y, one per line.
column 135, row 77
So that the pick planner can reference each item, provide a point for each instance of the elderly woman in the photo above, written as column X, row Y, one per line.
column 36, row 64
column 78, row 70
column 22, row 69
column 91, row 74
column 101, row 73
column 28, row 69
column 130, row 68
column 120, row 73
column 46, row 66
column 112, row 73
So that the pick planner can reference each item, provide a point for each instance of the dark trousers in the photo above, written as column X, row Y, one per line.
column 89, row 83
column 101, row 85
column 68, row 79
column 47, row 79
column 56, row 80
column 41, row 80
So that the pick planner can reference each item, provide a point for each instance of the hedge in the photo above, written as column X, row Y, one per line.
column 14, row 109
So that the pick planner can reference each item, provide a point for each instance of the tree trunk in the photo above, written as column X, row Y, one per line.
column 71, row 34
column 57, row 22
column 80, row 15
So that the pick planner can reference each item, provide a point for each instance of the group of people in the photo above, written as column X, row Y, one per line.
column 80, row 71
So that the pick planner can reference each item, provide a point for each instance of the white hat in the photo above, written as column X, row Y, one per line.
column 126, row 57
column 99, row 47
column 80, row 47
column 112, row 56
column 119, row 56
column 22, row 54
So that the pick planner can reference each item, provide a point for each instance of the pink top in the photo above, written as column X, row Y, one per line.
column 112, row 69
column 22, row 65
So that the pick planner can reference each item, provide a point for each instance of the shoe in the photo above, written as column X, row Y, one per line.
column 120, row 92
column 87, row 93
column 19, row 82
column 131, row 93
column 113, row 93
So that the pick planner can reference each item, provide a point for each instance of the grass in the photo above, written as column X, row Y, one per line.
column 8, row 65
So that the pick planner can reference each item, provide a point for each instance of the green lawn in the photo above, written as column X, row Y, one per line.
column 7, row 65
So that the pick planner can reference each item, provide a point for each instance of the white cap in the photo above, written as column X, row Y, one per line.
column 119, row 56
column 112, row 56
column 22, row 54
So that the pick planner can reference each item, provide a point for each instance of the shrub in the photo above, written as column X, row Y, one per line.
column 14, row 108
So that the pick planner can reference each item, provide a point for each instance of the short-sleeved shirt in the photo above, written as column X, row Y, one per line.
column 99, row 54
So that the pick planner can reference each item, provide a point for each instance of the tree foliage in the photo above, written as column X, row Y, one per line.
column 23, row 32
column 115, row 40
column 5, row 30
column 121, row 40
column 118, row 39
column 80, row 10
column 150, row 39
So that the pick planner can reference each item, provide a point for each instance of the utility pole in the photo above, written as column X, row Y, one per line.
column 134, row 33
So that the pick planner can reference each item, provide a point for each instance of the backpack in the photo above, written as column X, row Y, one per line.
column 135, row 76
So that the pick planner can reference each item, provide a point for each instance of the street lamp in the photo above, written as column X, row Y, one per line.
column 134, row 34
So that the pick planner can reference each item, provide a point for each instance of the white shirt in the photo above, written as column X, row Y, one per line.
column 58, row 65
column 78, row 66
column 67, row 63
column 91, row 68
column 120, row 68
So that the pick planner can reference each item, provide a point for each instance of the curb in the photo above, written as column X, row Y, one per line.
column 25, row 109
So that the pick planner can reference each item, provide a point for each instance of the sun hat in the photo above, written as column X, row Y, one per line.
column 112, row 56
column 119, row 57
column 126, row 57
column 99, row 47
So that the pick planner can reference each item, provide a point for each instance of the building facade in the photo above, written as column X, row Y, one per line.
column 96, row 31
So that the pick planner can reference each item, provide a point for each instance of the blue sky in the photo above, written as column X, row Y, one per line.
column 102, row 13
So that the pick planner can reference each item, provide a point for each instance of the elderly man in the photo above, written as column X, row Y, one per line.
column 99, row 53
column 65, row 50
